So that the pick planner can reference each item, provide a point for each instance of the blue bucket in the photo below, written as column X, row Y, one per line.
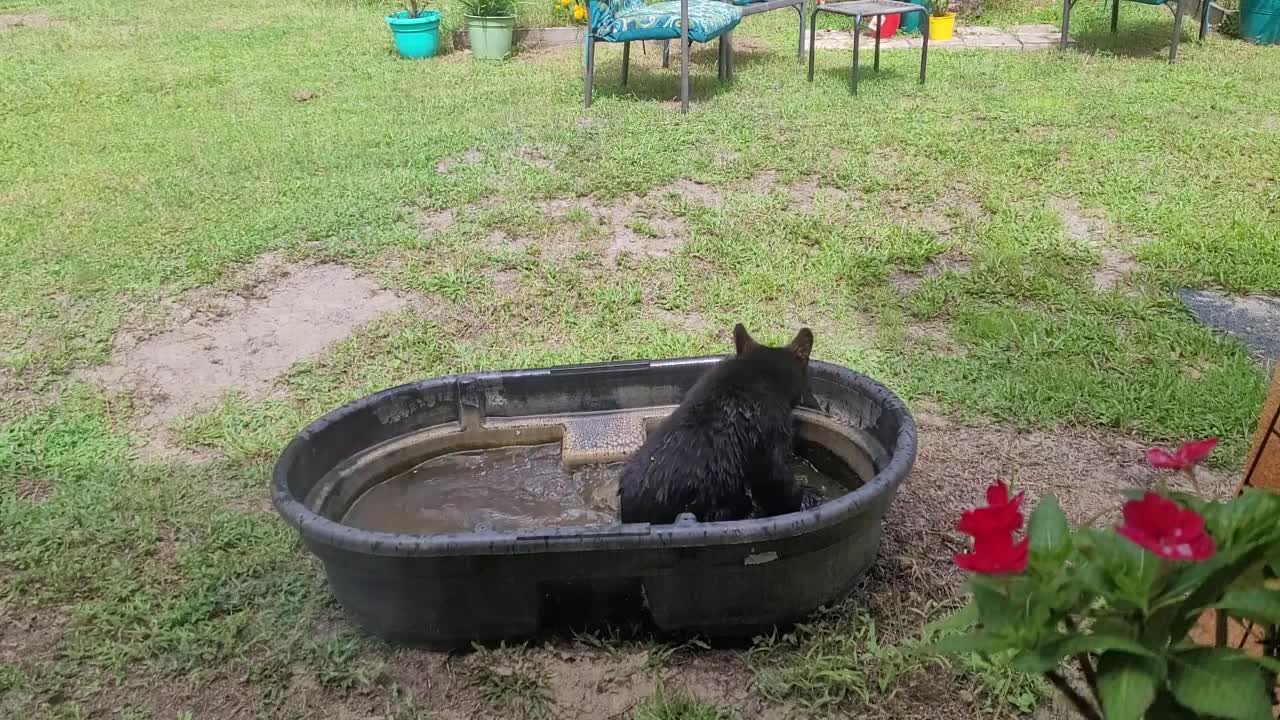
column 416, row 37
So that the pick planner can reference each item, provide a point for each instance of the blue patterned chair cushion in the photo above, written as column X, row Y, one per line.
column 623, row 21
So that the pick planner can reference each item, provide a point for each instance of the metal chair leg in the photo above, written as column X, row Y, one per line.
column 1177, row 30
column 857, row 36
column 802, row 9
column 666, row 54
column 877, row 65
column 626, row 61
column 720, row 68
column 924, row 49
column 684, row 56
column 591, row 70
column 730, row 63
column 1204, row 19
column 1066, row 24
column 813, row 33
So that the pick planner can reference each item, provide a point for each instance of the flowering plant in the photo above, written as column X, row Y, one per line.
column 1121, row 602
column 575, row 11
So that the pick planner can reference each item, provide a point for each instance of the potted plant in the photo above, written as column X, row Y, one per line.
column 1121, row 603
column 416, row 31
column 490, row 25
column 942, row 22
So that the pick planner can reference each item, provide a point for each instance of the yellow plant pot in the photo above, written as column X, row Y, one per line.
column 942, row 27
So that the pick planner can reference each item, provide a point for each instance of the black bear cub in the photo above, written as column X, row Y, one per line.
column 726, row 447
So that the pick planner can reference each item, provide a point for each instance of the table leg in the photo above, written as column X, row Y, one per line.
column 877, row 65
column 857, row 36
column 924, row 49
column 813, row 33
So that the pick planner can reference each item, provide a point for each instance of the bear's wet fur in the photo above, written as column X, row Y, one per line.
column 727, row 445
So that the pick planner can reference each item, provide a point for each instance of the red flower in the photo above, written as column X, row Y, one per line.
column 1161, row 526
column 1189, row 454
column 992, row 528
column 1000, row 516
column 995, row 554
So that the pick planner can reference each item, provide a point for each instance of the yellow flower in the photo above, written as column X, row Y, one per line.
column 579, row 12
column 566, row 3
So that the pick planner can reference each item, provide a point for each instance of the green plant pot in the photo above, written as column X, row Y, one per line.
column 490, row 36
column 1260, row 21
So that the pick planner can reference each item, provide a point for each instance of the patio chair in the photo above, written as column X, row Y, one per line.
column 1179, row 8
column 751, row 7
column 625, row 21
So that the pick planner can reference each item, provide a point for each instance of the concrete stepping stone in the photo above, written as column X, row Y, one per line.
column 1253, row 319
column 1018, row 37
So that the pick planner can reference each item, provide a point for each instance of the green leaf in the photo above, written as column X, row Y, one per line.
column 1049, row 532
column 1166, row 708
column 1127, row 685
column 1210, row 588
column 1219, row 682
column 994, row 610
column 1123, row 573
column 977, row 642
column 1269, row 664
column 959, row 621
column 1100, row 642
column 1036, row 662
column 1256, row 604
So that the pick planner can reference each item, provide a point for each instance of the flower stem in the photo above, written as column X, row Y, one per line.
column 1086, row 665
column 1081, row 703
column 1191, row 475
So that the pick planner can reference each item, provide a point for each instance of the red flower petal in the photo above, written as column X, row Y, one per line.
column 1161, row 526
column 1193, row 452
column 995, row 555
column 990, row 520
column 998, row 494
column 1163, row 459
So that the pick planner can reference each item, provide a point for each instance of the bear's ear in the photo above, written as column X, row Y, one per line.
column 742, row 340
column 802, row 345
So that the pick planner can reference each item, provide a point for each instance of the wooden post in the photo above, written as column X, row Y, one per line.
column 1262, row 470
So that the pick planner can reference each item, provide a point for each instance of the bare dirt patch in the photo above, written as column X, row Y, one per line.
column 1092, row 228
column 807, row 194
column 1081, row 225
column 8, row 22
column 506, row 282
column 933, row 337
column 635, row 225
column 906, row 281
column 33, row 490
column 240, row 343
column 534, row 157
column 1116, row 267
column 30, row 635
column 434, row 222
column 956, row 209
column 694, row 322
column 470, row 157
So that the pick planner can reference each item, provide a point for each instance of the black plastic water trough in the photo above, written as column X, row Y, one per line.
column 721, row 579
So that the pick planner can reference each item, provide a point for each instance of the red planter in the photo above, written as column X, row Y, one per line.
column 883, row 25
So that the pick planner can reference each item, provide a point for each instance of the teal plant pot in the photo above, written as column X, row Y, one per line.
column 1260, row 21
column 490, row 36
column 911, row 21
column 416, row 37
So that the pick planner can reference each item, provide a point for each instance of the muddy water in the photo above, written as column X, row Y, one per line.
column 512, row 488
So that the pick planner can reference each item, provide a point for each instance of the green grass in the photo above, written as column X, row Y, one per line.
column 151, row 147
column 667, row 705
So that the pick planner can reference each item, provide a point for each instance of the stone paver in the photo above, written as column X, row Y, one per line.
column 1254, row 319
column 1019, row 37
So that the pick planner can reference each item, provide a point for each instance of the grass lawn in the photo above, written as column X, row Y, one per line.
column 999, row 247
